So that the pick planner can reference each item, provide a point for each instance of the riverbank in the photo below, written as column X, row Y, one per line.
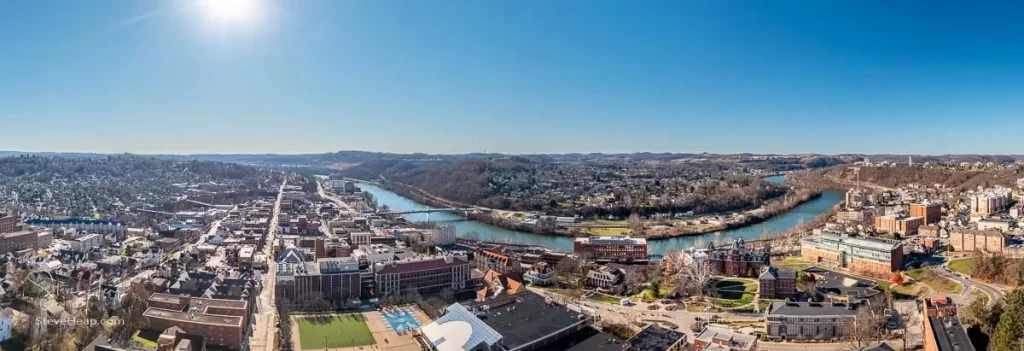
column 653, row 229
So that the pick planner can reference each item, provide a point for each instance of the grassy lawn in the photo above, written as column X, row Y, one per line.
column 606, row 298
column 794, row 263
column 607, row 231
column 334, row 331
column 964, row 266
column 934, row 281
column 744, row 298
column 980, row 295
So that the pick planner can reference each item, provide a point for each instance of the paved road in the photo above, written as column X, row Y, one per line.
column 263, row 331
column 994, row 294
column 323, row 193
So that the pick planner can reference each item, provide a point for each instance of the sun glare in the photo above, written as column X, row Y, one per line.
column 231, row 11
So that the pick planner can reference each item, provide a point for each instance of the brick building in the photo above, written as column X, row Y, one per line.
column 930, row 212
column 898, row 224
column 422, row 274
column 8, row 223
column 487, row 259
column 607, row 248
column 221, row 322
column 777, row 283
column 736, row 259
column 18, row 240
column 865, row 255
column 942, row 328
column 975, row 240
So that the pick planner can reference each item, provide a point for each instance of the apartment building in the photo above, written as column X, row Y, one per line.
column 488, row 259
column 898, row 224
column 18, row 240
column 865, row 255
column 930, row 212
column 989, row 201
column 8, row 223
column 1002, row 225
column 855, row 216
column 428, row 274
column 82, row 224
column 607, row 248
column 221, row 322
column 976, row 240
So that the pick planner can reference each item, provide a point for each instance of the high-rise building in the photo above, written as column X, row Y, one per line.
column 8, row 223
column 990, row 201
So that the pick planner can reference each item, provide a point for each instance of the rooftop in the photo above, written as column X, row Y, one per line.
column 813, row 308
column 858, row 241
column 458, row 329
column 612, row 240
column 950, row 335
column 723, row 332
column 655, row 338
column 532, row 318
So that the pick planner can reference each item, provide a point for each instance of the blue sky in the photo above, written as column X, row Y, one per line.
column 442, row 76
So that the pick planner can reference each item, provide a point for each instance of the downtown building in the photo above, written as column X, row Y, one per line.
column 607, row 248
column 866, row 255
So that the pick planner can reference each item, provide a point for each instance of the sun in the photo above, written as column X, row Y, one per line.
column 231, row 11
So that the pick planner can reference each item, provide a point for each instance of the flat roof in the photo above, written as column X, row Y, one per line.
column 533, row 319
column 656, row 338
column 950, row 334
column 718, row 331
column 812, row 309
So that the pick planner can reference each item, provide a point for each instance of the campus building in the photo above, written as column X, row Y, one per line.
column 898, row 224
column 334, row 279
column 777, row 283
column 975, row 240
column 865, row 255
column 607, row 248
column 736, row 259
column 942, row 328
column 82, row 224
column 810, row 320
column 221, row 322
column 930, row 212
column 430, row 274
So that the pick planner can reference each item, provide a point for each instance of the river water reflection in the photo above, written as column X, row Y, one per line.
column 785, row 221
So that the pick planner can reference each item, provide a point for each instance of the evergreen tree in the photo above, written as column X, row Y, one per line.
column 1010, row 329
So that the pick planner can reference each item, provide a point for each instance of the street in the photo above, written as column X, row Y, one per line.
column 263, row 331
column 994, row 294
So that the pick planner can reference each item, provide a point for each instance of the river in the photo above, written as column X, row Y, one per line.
column 783, row 222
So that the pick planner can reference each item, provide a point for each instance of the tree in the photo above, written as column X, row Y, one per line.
column 1010, row 328
column 133, row 305
column 979, row 314
column 574, row 270
column 865, row 329
column 694, row 273
column 907, row 322
column 896, row 278
column 635, row 224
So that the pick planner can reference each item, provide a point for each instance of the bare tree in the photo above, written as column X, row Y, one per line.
column 635, row 224
column 907, row 322
column 865, row 329
column 694, row 272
